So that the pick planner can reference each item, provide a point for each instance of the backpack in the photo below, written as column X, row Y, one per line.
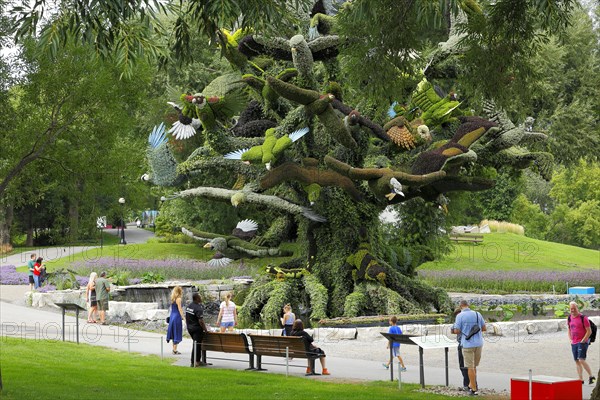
column 593, row 327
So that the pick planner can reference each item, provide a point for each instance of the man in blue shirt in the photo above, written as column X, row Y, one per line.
column 472, row 343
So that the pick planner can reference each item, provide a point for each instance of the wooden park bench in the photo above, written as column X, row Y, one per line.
column 227, row 343
column 466, row 238
column 281, row 346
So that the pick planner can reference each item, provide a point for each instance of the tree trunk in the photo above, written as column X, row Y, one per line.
column 73, row 233
column 30, row 230
column 6, row 218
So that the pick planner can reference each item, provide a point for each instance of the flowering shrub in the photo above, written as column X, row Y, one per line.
column 511, row 281
column 169, row 269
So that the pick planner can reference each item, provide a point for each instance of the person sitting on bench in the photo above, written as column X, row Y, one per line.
column 316, row 352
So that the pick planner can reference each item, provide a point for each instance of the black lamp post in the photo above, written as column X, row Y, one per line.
column 122, row 202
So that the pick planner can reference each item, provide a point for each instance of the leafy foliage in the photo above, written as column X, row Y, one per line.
column 152, row 277
column 63, row 279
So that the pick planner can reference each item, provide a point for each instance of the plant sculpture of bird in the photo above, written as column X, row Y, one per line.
column 241, row 197
column 245, row 229
column 406, row 135
column 437, row 107
column 396, row 187
column 456, row 151
column 319, row 105
column 228, row 42
column 321, row 24
column 160, row 158
column 199, row 110
column 187, row 123
column 228, row 248
column 271, row 148
column 505, row 145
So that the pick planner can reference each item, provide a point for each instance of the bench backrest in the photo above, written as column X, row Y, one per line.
column 265, row 345
column 225, row 342
column 466, row 235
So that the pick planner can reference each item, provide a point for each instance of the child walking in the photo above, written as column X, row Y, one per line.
column 394, row 328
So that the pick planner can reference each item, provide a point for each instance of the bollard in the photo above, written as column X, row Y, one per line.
column 287, row 363
column 128, row 342
column 530, row 385
column 399, row 376
column 162, row 355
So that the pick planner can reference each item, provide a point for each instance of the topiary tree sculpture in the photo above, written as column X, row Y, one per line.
column 330, row 185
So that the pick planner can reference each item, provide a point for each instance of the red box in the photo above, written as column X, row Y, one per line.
column 546, row 388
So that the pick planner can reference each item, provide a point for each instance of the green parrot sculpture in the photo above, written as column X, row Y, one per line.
column 271, row 148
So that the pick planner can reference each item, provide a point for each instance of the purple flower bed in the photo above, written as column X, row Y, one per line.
column 47, row 288
column 10, row 276
column 170, row 268
column 512, row 281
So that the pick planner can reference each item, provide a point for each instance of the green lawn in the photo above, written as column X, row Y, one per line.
column 509, row 263
column 36, row 369
column 148, row 251
column 508, row 252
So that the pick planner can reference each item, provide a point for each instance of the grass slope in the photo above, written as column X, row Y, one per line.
column 36, row 369
column 507, row 252
column 154, row 250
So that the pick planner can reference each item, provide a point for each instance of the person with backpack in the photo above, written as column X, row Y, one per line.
column 579, row 329
column 469, row 326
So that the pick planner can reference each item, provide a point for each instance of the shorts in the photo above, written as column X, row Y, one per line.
column 31, row 279
column 227, row 324
column 103, row 305
column 579, row 351
column 472, row 356
column 396, row 351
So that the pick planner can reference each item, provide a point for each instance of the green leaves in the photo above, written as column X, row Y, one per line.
column 123, row 31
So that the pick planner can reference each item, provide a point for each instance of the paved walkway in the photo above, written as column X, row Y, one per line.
column 133, row 235
column 348, row 360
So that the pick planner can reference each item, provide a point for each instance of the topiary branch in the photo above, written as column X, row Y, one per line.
column 308, row 174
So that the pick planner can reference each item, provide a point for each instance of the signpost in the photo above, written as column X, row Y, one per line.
column 402, row 339
column 70, row 306
column 432, row 342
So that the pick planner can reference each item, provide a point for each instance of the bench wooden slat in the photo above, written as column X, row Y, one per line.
column 226, row 343
column 275, row 346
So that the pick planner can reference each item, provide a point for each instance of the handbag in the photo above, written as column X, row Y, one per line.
column 474, row 330
column 168, row 319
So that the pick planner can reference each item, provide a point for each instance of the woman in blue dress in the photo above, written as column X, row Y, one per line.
column 175, row 330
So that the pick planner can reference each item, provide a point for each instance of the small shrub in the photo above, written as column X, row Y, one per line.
column 152, row 277
column 63, row 279
column 503, row 227
column 119, row 277
column 5, row 249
